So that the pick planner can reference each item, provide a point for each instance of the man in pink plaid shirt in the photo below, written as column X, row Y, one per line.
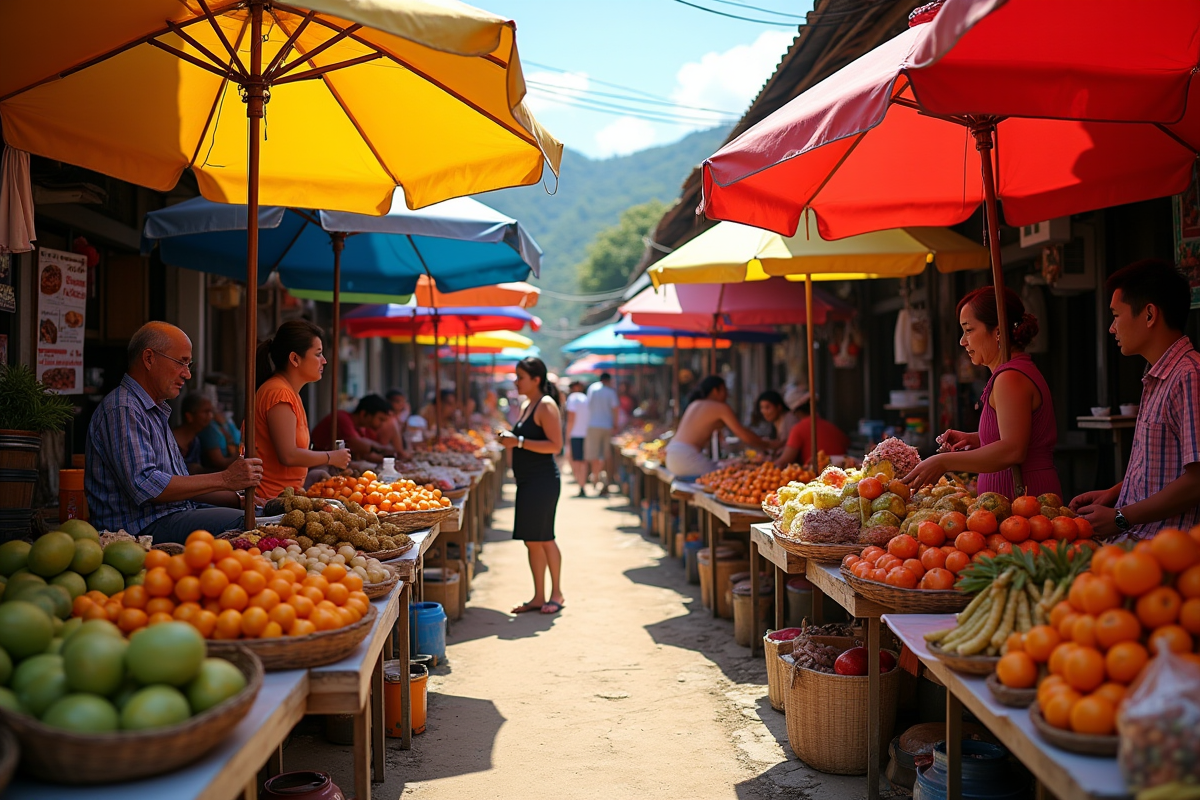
column 1161, row 489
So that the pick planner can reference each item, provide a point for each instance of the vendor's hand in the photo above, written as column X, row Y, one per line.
column 952, row 441
column 1102, row 517
column 1099, row 497
column 339, row 458
column 243, row 473
column 507, row 440
column 928, row 471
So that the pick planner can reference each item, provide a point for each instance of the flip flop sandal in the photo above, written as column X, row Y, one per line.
column 553, row 606
column 526, row 607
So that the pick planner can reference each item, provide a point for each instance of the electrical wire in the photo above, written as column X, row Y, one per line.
column 756, row 8
column 571, row 99
column 597, row 297
column 625, row 97
column 736, row 16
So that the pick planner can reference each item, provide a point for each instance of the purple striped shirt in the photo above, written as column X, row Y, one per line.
column 1167, row 435
column 131, row 457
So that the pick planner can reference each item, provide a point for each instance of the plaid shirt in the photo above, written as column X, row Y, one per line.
column 1167, row 436
column 131, row 457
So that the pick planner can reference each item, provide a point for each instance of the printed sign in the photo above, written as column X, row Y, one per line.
column 61, row 283
column 1186, row 208
column 8, row 298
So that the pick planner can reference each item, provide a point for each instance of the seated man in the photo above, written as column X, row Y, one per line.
column 136, row 479
column 372, row 412
column 449, row 408
column 391, row 432
column 197, row 413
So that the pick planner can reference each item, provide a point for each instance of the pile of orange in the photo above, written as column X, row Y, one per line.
column 231, row 594
column 376, row 497
column 751, row 483
column 1127, row 609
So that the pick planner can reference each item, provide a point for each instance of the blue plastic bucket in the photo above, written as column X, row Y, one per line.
column 427, row 621
column 987, row 774
column 691, row 559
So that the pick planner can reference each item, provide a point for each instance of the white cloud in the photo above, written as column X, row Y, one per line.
column 728, row 81
column 624, row 136
column 549, row 89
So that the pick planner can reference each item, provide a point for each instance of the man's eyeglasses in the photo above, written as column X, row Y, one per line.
column 185, row 364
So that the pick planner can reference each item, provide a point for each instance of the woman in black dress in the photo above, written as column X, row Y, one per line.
column 536, row 440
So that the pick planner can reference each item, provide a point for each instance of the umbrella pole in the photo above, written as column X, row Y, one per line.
column 255, row 91
column 339, row 243
column 437, row 380
column 984, row 132
column 812, row 370
column 675, row 385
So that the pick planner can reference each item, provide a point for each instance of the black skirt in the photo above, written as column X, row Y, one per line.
column 537, row 500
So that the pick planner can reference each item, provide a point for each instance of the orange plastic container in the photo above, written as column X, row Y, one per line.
column 419, row 680
column 72, row 501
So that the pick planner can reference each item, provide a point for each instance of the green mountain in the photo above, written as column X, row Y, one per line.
column 590, row 197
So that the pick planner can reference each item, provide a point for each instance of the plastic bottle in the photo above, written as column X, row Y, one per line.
column 387, row 473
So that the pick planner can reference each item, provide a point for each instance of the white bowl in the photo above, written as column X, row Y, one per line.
column 1100, row 411
column 1129, row 409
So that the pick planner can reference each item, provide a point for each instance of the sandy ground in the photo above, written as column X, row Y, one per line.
column 634, row 690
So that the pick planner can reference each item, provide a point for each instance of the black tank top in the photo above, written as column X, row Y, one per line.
column 525, row 463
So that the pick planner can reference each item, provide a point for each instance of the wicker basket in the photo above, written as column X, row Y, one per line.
column 750, row 506
column 373, row 590
column 778, row 670
column 771, row 510
column 410, row 521
column 10, row 752
column 971, row 665
column 1008, row 696
column 827, row 718
column 1084, row 744
column 821, row 553
column 290, row 652
column 59, row 756
column 455, row 494
column 909, row 601
column 170, row 548
column 388, row 555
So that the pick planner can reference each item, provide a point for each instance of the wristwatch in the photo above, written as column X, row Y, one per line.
column 1122, row 523
column 521, row 443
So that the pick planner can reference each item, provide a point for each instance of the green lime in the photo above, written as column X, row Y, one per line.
column 45, row 689
column 6, row 668
column 125, row 556
column 83, row 713
column 33, row 668
column 136, row 580
column 154, row 707
column 106, row 580
column 95, row 662
column 90, row 626
column 9, row 701
column 14, row 555
column 88, row 556
column 79, row 530
column 25, row 629
column 51, row 554
column 169, row 652
column 217, row 681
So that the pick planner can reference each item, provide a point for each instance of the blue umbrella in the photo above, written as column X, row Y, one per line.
column 603, row 341
column 627, row 327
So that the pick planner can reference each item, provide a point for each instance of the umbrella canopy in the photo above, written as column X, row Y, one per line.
column 492, row 341
column 390, row 320
column 595, row 363
column 666, row 338
column 603, row 341
column 506, row 357
column 363, row 97
column 706, row 307
column 733, row 253
column 463, row 243
column 514, row 293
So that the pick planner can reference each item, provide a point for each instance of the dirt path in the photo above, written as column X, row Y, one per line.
column 632, row 691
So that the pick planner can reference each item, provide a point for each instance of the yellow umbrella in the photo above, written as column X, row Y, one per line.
column 357, row 96
column 496, row 340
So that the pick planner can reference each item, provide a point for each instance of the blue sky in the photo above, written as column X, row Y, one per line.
column 709, row 66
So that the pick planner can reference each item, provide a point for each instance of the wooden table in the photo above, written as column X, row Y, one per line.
column 666, row 534
column 226, row 772
column 736, row 520
column 650, row 485
column 455, row 529
column 346, row 686
column 1066, row 775
column 1116, row 424
column 763, row 543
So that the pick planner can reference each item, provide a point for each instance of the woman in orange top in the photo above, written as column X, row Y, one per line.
column 292, row 358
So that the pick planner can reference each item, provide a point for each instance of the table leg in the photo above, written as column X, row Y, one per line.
column 754, row 620
column 710, row 527
column 405, row 686
column 251, row 790
column 953, row 747
column 664, row 517
column 873, row 733
column 818, row 606
column 275, row 762
column 780, row 598
column 362, row 754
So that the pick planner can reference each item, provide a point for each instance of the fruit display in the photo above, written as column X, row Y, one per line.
column 231, row 594
column 310, row 521
column 87, row 678
column 423, row 473
column 319, row 557
column 749, row 484
column 814, row 655
column 375, row 496
column 1098, row 637
column 450, row 442
column 449, row 458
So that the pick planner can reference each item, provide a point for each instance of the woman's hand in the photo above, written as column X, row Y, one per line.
column 507, row 440
column 928, row 471
column 952, row 441
column 338, row 458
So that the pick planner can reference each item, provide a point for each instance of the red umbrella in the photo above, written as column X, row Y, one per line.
column 1079, row 104
column 709, row 307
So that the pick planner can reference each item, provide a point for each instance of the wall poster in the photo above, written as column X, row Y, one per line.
column 62, row 298
column 8, row 297
column 1186, row 208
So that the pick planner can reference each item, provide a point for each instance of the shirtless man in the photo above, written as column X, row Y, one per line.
column 707, row 412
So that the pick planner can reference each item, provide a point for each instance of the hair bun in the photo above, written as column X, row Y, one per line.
column 1024, row 331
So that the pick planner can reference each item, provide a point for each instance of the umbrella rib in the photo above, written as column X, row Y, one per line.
column 233, row 54
column 1177, row 138
column 182, row 34
column 317, row 72
column 214, row 110
column 341, row 34
column 199, row 62
column 291, row 40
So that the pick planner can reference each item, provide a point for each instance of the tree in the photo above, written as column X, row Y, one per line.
column 616, row 250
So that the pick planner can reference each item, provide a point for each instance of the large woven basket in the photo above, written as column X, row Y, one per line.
column 971, row 665
column 827, row 718
column 302, row 652
column 388, row 555
column 821, row 553
column 455, row 494
column 373, row 590
column 59, row 756
column 10, row 751
column 909, row 601
column 778, row 670
column 409, row 521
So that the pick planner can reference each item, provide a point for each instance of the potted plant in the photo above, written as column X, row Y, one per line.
column 27, row 410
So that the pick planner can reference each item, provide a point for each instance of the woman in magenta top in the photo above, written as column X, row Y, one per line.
column 1017, row 426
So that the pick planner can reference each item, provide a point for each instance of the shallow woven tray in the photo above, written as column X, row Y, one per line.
column 732, row 504
column 1084, row 744
column 60, row 756
column 822, row 553
column 373, row 590
column 972, row 665
column 170, row 548
column 1007, row 696
column 10, row 751
column 455, row 494
column 409, row 521
column 909, row 601
column 388, row 555
column 772, row 511
column 302, row 652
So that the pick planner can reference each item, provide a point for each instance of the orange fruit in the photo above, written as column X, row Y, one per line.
column 1189, row 615
column 1083, row 632
column 1064, row 529
column 213, row 605
column 160, row 605
column 205, row 622
column 334, row 572
column 1040, row 641
column 1048, row 686
column 231, row 567
column 95, row 611
column 254, row 621
column 212, row 582
column 156, row 558
column 316, row 582
column 302, row 604
column 229, row 624
column 1102, row 559
column 900, row 577
column 301, row 627
column 359, row 595
column 360, row 606
column 158, row 617
column 187, row 589
column 347, row 615
column 957, row 561
column 200, row 536
column 1040, row 528
column 96, row 597
column 283, row 614
column 1136, row 573
column 1058, row 658
column 235, row 597
column 1057, row 710
column 1125, row 660
column 253, row 582
column 177, row 567
column 339, row 594
column 1095, row 715
column 970, row 541
column 186, row 612
column 272, row 630
column 135, row 596
column 1017, row 670
column 933, row 558
column 1060, row 610
column 1075, row 595
column 1174, row 550
column 130, row 619
column 263, row 567
column 313, row 593
column 911, row 564
column 283, row 589
column 1188, row 582
column 982, row 521
column 198, row 554
column 80, row 605
column 243, row 557
column 1159, row 607
column 1173, row 637
column 1100, row 594
column 931, row 533
column 1084, row 669
column 325, row 620
column 1113, row 692
column 158, row 583
column 1117, row 625
column 1066, row 626
column 222, row 548
column 1015, row 529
